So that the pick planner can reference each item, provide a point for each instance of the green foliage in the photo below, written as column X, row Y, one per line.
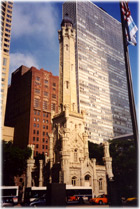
column 96, row 151
column 124, row 163
column 14, row 161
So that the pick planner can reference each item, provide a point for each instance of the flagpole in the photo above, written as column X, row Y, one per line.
column 129, row 81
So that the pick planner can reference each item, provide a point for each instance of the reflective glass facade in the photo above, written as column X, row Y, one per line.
column 100, row 71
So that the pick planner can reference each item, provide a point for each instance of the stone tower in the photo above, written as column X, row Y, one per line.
column 69, row 155
column 67, row 74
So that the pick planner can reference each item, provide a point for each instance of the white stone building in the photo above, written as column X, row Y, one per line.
column 69, row 155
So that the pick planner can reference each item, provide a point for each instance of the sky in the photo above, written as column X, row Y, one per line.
column 34, row 36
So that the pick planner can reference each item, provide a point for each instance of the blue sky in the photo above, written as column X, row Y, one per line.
column 34, row 38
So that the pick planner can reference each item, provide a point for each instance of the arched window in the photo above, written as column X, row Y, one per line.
column 100, row 184
column 87, row 177
column 73, row 181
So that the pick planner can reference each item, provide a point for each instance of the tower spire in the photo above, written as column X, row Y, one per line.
column 67, row 74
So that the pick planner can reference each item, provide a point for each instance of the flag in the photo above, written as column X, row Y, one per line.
column 130, row 27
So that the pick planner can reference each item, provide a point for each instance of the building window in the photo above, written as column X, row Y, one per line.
column 4, row 69
column 36, row 102
column 43, row 127
column 45, row 93
column 101, row 184
column 7, row 35
column 10, row 3
column 38, row 113
column 34, row 125
column 75, row 155
column 37, row 138
column 42, row 146
column 37, row 125
column 9, row 7
column 3, row 79
column 73, row 181
column 54, row 96
column 37, row 91
column 46, row 147
column 8, row 20
column 46, row 121
column 33, row 131
column 33, row 138
column 54, row 84
column 9, row 16
column 7, row 30
column 45, row 81
column 5, row 50
column 67, row 84
column 37, row 78
column 37, row 119
column 43, row 120
column 43, row 133
column 34, row 119
column 87, row 177
column 37, row 132
column 6, row 40
column 53, row 106
column 8, row 25
column 37, row 146
column 46, row 127
column 43, row 140
column 4, row 61
column 44, row 105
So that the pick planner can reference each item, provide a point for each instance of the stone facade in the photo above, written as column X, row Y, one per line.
column 69, row 155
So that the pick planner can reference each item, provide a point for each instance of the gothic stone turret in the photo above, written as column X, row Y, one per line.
column 69, row 155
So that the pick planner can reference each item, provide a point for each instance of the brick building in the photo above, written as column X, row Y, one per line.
column 32, row 95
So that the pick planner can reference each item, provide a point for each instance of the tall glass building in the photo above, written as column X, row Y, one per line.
column 100, row 71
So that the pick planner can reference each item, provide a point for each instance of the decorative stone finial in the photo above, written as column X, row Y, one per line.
column 32, row 146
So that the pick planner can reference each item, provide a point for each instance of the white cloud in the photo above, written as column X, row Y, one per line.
column 40, row 20
column 18, row 59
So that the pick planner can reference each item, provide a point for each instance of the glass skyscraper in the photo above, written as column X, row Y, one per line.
column 100, row 71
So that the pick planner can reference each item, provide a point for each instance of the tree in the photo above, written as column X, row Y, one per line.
column 14, row 161
column 124, row 163
column 96, row 151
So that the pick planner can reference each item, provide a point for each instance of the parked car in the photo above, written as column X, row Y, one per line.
column 39, row 201
column 132, row 201
column 7, row 202
column 101, row 200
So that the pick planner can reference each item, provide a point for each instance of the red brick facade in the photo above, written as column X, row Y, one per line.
column 32, row 96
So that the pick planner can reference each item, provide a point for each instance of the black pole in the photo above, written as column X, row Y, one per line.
column 129, row 82
column 131, row 96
